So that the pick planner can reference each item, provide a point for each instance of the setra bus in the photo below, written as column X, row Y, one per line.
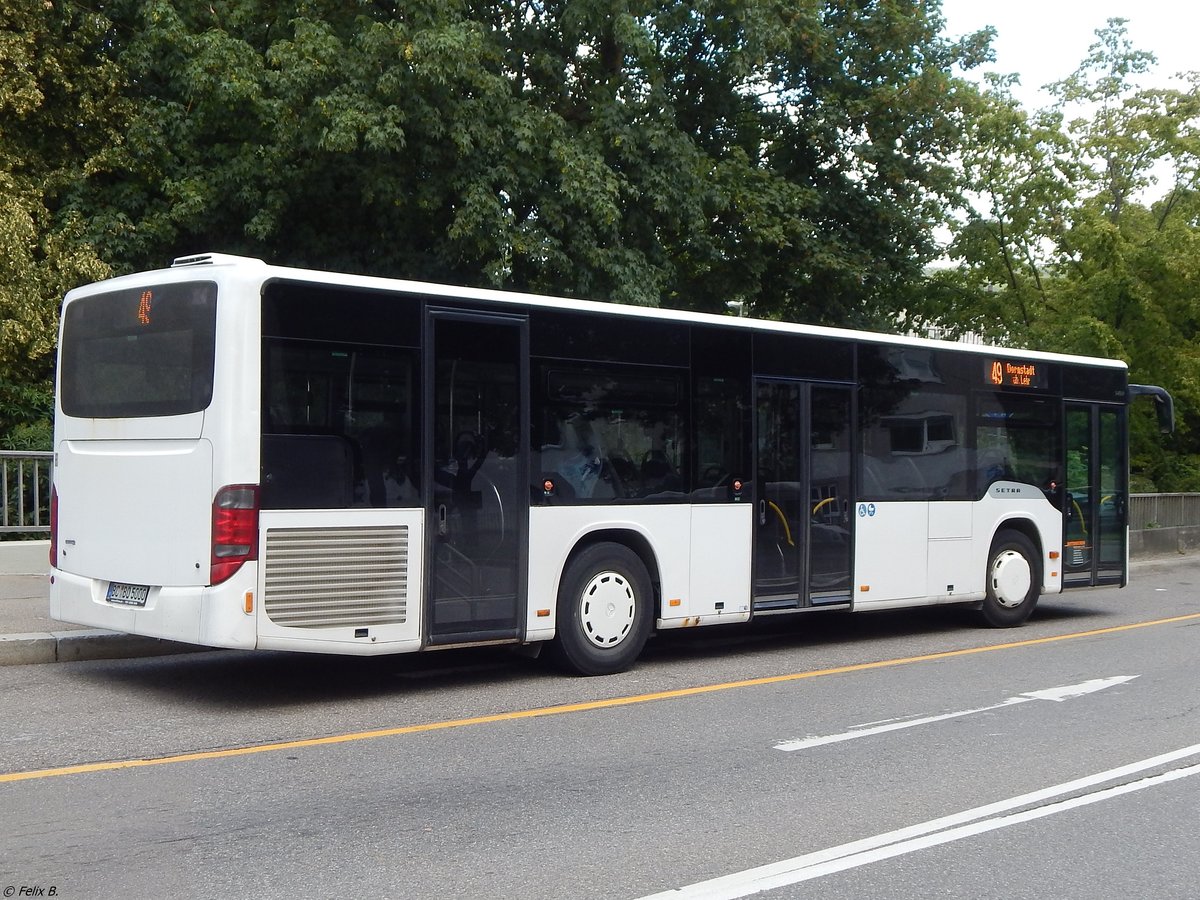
column 252, row 456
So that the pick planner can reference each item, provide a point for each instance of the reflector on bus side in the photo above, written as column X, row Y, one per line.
column 53, row 527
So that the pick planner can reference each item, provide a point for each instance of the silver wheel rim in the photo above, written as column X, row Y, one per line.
column 606, row 609
column 1012, row 577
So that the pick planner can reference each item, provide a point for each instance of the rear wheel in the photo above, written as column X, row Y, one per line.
column 605, row 604
column 1014, row 578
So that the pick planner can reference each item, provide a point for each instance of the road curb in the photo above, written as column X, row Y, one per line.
column 76, row 646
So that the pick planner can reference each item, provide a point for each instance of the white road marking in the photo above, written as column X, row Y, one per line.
column 954, row 827
column 1058, row 695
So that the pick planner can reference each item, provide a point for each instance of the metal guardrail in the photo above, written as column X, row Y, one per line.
column 25, row 479
column 1163, row 510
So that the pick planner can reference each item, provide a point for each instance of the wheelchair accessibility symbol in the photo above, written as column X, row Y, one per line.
column 866, row 509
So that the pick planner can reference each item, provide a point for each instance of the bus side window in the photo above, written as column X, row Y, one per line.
column 609, row 432
column 362, row 399
column 1016, row 439
column 307, row 471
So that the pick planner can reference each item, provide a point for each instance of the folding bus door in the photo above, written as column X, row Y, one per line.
column 1095, row 514
column 802, row 547
column 480, row 497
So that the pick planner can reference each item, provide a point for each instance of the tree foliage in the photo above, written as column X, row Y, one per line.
column 1065, row 246
column 56, row 84
column 788, row 155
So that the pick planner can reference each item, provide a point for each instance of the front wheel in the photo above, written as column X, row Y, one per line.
column 1014, row 579
column 605, row 603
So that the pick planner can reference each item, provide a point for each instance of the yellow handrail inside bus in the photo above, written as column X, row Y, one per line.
column 1079, row 512
column 782, row 518
column 824, row 502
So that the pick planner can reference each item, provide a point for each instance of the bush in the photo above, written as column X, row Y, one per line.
column 26, row 416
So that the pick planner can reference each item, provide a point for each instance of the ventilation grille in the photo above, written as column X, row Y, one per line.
column 331, row 577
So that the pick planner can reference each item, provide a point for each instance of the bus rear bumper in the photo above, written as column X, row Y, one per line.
column 205, row 616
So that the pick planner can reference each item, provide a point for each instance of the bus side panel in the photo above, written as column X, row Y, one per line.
column 891, row 536
column 722, row 544
column 891, row 546
column 954, row 571
column 555, row 530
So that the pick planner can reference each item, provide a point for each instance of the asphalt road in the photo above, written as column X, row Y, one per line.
column 885, row 755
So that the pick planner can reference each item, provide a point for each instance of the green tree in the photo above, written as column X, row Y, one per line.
column 1129, row 267
column 1017, row 191
column 57, row 87
column 793, row 156
column 1062, row 251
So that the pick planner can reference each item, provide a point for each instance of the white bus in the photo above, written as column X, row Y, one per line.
column 252, row 456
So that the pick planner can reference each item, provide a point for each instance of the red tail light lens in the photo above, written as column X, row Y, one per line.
column 53, row 527
column 234, row 530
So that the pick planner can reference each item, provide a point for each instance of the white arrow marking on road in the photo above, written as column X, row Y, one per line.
column 1058, row 695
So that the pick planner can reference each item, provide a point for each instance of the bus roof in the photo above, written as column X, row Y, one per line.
column 182, row 268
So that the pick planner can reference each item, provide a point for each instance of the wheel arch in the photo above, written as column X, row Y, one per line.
column 1028, row 528
column 631, row 539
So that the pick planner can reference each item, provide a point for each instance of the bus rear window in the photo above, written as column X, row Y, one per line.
column 139, row 352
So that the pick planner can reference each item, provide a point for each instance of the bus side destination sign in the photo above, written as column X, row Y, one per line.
column 1015, row 373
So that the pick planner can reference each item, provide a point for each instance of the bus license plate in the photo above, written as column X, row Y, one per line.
column 128, row 594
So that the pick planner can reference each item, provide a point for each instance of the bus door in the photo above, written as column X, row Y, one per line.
column 1094, row 510
column 802, row 545
column 479, row 500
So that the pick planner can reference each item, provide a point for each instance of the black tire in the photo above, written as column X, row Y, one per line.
column 605, row 605
column 1014, row 580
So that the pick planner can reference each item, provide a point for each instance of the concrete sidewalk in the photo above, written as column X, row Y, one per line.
column 29, row 635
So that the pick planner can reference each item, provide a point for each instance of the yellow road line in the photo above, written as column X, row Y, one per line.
column 568, row 707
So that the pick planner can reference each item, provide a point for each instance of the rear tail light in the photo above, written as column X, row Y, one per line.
column 234, row 530
column 53, row 527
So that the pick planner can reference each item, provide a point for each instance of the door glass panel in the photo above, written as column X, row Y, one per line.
column 829, row 495
column 1110, row 511
column 782, row 500
column 1078, row 537
column 479, row 495
column 1094, row 537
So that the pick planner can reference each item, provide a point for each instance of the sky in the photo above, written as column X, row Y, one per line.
column 1045, row 40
